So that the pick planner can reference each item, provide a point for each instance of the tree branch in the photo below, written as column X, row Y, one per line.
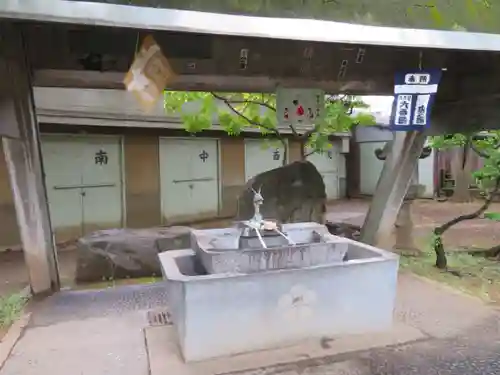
column 341, row 98
column 310, row 132
column 255, row 123
column 232, row 101
column 443, row 228
column 493, row 251
column 348, row 104
column 294, row 131
column 241, row 115
column 441, row 261
column 467, row 145
column 481, row 153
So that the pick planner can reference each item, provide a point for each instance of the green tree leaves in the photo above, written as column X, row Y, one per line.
column 472, row 15
column 495, row 216
column 237, row 112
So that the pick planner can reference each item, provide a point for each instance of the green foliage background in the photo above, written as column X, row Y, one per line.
column 238, row 112
column 470, row 15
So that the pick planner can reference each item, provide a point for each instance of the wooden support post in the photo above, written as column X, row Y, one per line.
column 24, row 162
column 392, row 187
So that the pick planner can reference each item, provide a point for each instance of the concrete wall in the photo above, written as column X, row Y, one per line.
column 371, row 168
column 232, row 155
column 142, row 181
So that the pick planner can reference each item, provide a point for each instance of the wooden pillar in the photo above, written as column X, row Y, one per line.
column 392, row 186
column 23, row 159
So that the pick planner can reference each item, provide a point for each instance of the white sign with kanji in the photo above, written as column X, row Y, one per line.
column 403, row 110
column 299, row 106
column 421, row 108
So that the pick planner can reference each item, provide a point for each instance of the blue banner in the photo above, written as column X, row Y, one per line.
column 414, row 94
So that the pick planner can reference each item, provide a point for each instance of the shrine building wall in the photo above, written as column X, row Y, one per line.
column 141, row 175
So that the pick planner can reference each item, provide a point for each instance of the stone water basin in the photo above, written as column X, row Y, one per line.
column 225, row 250
column 216, row 315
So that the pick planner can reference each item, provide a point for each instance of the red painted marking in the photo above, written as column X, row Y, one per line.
column 300, row 111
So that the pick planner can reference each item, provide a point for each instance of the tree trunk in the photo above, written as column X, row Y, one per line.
column 441, row 261
column 303, row 150
column 493, row 252
column 405, row 241
column 284, row 161
column 461, row 193
column 462, row 174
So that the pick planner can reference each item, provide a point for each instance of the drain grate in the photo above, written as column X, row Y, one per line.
column 159, row 318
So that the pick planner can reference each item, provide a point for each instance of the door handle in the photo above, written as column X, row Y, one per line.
column 193, row 180
column 84, row 186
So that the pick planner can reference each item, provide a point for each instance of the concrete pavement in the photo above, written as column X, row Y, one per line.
column 102, row 332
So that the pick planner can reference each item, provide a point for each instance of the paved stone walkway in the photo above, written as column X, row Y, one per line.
column 101, row 332
column 463, row 338
column 477, row 352
column 87, row 333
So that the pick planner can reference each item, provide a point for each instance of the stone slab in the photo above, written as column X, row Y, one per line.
column 95, row 346
column 165, row 358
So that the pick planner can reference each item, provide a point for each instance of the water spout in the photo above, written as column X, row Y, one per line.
column 290, row 242
column 261, row 239
column 257, row 222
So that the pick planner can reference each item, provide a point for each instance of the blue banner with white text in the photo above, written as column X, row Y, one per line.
column 414, row 94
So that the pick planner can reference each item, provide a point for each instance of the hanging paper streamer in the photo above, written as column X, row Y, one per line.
column 149, row 74
column 414, row 94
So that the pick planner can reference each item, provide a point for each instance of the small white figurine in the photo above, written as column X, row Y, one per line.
column 258, row 200
column 258, row 223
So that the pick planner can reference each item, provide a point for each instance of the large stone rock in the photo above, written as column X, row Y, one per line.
column 293, row 193
column 124, row 253
column 344, row 230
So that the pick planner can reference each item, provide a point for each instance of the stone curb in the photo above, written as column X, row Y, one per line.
column 15, row 332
